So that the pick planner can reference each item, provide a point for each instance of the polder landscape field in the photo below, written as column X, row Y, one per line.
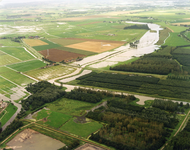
column 109, row 76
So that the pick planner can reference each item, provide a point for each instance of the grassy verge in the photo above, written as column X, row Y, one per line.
column 11, row 109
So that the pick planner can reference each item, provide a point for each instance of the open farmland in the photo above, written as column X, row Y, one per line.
column 65, row 41
column 10, row 110
column 8, row 42
column 50, row 72
column 81, row 129
column 54, row 119
column 44, row 47
column 59, row 55
column 7, row 59
column 70, row 107
column 34, row 42
column 27, row 66
column 19, row 53
column 96, row 47
column 5, row 87
column 15, row 76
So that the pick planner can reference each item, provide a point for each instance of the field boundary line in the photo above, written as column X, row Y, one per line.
column 29, row 52
column 4, row 114
column 10, row 81
column 11, row 68
column 10, row 55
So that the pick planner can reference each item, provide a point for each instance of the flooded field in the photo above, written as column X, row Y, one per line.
column 32, row 140
column 146, row 45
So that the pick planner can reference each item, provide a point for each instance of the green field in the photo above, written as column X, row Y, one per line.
column 54, row 119
column 6, row 86
column 15, row 76
column 8, row 42
column 11, row 109
column 81, row 129
column 70, row 107
column 27, row 66
column 182, row 50
column 44, row 47
column 175, row 40
column 7, row 59
column 65, row 42
column 51, row 72
column 19, row 53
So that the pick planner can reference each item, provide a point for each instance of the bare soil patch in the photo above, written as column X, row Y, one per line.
column 181, row 23
column 35, row 42
column 96, row 47
column 89, row 147
column 31, row 140
column 59, row 55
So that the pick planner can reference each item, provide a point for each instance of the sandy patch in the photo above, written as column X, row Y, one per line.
column 32, row 140
column 77, row 76
column 89, row 147
column 103, row 64
column 34, row 42
column 181, row 23
column 97, row 47
column 4, row 98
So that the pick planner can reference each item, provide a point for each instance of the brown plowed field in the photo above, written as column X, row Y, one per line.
column 96, row 47
column 59, row 55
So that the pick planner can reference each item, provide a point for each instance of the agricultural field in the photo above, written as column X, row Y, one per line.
column 59, row 55
column 80, row 129
column 8, row 42
column 19, row 53
column 27, row 65
column 6, row 86
column 7, row 59
column 97, row 47
column 50, row 72
column 175, row 40
column 9, row 112
column 34, row 42
column 15, row 77
column 49, row 45
column 54, row 119
column 70, row 107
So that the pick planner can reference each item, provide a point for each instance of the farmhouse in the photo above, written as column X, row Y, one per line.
column 3, row 104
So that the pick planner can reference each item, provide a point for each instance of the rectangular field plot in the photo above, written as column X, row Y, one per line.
column 6, row 86
column 59, row 55
column 78, row 51
column 19, row 53
column 65, row 42
column 81, row 129
column 44, row 47
column 70, row 107
column 27, row 66
column 96, row 47
column 175, row 40
column 8, row 42
column 7, row 59
column 54, row 119
column 34, row 42
column 51, row 72
column 15, row 76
